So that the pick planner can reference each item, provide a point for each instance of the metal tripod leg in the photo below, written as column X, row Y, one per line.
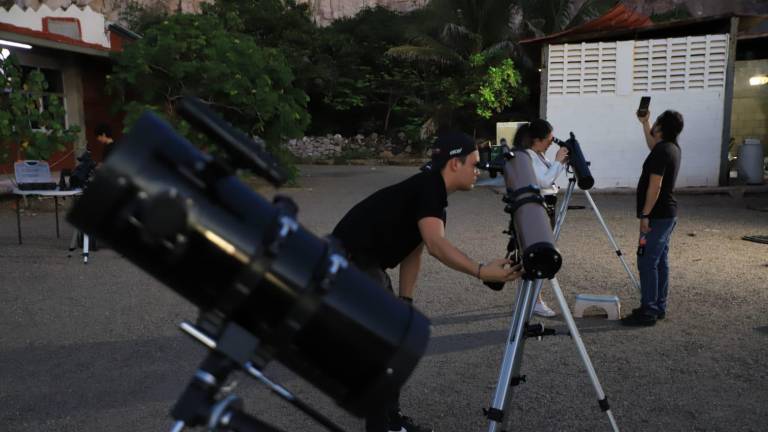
column 601, row 398
column 613, row 242
column 513, row 354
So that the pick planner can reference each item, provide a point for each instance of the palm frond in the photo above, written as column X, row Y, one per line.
column 461, row 39
column 590, row 10
column 425, row 55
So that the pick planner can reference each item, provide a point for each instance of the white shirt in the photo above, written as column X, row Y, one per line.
column 546, row 172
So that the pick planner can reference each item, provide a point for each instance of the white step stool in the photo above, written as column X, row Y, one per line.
column 610, row 304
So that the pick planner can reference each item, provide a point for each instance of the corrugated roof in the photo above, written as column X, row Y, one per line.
column 617, row 18
column 607, row 28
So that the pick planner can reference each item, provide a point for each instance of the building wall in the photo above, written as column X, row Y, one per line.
column 612, row 138
column 597, row 97
column 750, row 104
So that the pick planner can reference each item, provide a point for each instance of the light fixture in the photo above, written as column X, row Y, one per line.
column 758, row 80
column 4, row 53
column 15, row 44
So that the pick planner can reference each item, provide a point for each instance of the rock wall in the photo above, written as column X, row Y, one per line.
column 357, row 147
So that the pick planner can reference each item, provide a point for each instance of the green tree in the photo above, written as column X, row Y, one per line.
column 250, row 85
column 31, row 120
column 463, row 39
column 499, row 88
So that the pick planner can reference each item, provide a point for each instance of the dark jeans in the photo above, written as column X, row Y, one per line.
column 378, row 421
column 653, row 266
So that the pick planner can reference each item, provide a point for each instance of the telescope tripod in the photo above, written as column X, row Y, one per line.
column 520, row 329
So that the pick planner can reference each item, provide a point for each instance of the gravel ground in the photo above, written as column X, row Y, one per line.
column 94, row 348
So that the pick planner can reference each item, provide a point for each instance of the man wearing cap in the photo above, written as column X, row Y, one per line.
column 392, row 226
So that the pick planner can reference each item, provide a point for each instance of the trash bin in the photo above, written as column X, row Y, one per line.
column 750, row 162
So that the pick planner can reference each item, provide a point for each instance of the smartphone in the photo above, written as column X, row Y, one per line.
column 645, row 102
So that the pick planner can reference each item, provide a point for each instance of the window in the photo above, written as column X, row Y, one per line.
column 69, row 27
column 55, row 89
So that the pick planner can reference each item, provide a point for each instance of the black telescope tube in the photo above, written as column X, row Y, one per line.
column 242, row 149
column 198, row 229
column 577, row 161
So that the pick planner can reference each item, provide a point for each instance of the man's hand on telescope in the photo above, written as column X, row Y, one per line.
column 500, row 270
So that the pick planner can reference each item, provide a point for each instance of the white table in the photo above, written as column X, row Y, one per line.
column 55, row 193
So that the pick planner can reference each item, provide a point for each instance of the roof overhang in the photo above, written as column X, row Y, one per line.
column 695, row 26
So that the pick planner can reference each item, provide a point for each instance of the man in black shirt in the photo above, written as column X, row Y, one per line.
column 657, row 211
column 392, row 226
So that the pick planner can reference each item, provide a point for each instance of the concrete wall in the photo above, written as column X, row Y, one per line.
column 750, row 104
column 92, row 24
column 611, row 136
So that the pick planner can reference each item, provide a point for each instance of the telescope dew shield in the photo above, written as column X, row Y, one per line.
column 534, row 234
column 188, row 221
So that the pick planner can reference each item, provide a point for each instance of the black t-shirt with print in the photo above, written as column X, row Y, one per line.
column 664, row 160
column 383, row 228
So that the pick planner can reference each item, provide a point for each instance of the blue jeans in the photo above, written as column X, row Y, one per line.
column 653, row 266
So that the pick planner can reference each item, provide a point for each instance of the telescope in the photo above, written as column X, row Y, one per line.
column 531, row 240
column 577, row 161
column 266, row 288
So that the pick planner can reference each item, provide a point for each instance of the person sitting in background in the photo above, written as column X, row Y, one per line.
column 104, row 137
column 536, row 138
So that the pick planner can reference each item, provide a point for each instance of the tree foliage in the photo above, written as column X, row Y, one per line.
column 195, row 54
column 31, row 120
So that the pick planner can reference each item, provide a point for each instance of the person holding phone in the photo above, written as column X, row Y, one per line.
column 657, row 211
column 536, row 137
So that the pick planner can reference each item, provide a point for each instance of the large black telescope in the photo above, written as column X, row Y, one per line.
column 184, row 217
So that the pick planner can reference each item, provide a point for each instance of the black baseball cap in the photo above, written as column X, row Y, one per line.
column 447, row 146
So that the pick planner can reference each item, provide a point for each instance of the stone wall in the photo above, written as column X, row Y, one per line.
column 373, row 146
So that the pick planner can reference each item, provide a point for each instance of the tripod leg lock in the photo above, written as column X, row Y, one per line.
column 604, row 404
column 494, row 414
column 517, row 380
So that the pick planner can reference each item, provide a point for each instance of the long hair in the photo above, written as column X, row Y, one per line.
column 537, row 129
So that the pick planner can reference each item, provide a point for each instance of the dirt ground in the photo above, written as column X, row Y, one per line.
column 96, row 347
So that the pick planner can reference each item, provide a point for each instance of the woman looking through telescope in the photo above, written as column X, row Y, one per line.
column 536, row 138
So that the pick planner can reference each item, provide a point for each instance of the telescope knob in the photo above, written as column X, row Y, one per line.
column 164, row 215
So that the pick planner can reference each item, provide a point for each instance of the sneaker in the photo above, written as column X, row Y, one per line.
column 403, row 423
column 640, row 310
column 541, row 309
column 639, row 319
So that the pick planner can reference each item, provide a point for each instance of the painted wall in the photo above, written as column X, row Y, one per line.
column 750, row 104
column 92, row 24
column 605, row 122
column 612, row 138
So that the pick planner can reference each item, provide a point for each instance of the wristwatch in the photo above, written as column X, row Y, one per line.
column 645, row 216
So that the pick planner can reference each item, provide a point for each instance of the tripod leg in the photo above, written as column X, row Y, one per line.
column 564, row 208
column 536, row 292
column 513, row 354
column 602, row 400
column 613, row 242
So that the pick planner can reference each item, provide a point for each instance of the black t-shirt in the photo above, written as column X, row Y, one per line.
column 664, row 160
column 383, row 228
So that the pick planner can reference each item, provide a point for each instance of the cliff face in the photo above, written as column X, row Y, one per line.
column 325, row 11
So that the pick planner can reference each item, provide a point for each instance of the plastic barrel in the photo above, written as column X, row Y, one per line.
column 750, row 163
